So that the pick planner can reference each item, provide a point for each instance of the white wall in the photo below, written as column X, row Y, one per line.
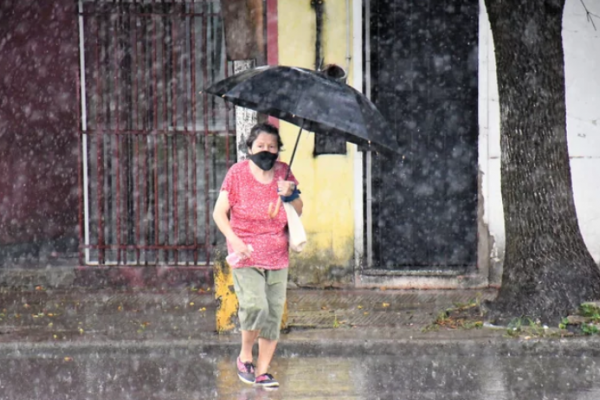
column 582, row 77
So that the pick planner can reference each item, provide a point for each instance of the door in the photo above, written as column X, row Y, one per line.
column 424, row 81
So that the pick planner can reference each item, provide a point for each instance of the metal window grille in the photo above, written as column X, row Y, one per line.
column 154, row 149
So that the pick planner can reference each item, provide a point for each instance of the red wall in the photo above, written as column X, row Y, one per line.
column 38, row 122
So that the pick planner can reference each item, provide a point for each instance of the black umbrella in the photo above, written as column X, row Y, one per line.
column 310, row 100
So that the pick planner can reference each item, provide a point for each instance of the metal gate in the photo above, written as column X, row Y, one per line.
column 154, row 150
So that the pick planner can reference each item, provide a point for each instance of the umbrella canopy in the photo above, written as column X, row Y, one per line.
column 310, row 100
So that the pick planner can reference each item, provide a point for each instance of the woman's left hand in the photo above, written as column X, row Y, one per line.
column 285, row 188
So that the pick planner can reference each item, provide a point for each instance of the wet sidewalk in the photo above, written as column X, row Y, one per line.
column 321, row 322
column 108, row 315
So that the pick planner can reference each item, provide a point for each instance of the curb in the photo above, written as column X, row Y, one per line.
column 294, row 347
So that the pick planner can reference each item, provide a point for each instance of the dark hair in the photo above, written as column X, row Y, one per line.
column 263, row 128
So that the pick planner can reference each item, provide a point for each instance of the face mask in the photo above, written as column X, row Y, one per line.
column 264, row 160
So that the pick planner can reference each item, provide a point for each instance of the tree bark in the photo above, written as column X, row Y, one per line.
column 548, row 270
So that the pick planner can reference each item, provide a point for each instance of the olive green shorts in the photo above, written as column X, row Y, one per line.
column 261, row 296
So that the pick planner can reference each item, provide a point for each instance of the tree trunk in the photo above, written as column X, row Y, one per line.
column 548, row 270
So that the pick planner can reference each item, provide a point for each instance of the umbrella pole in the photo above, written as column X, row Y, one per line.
column 294, row 152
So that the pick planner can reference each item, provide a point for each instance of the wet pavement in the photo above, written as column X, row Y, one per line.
column 105, row 315
column 188, row 374
column 81, row 315
column 134, row 344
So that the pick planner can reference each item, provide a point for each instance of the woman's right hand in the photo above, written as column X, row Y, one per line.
column 240, row 248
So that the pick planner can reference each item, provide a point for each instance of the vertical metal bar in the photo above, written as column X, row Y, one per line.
column 357, row 73
column 186, row 204
column 174, row 166
column 79, row 157
column 165, row 121
column 369, row 210
column 129, row 169
column 166, row 194
column 108, row 137
column 145, row 54
column 367, row 52
column 206, row 148
column 99, row 148
column 145, row 192
column 194, row 133
column 184, row 111
column 166, row 124
column 174, row 135
column 155, row 128
column 227, row 160
column 187, row 195
column 186, row 19
column 213, row 62
column 369, row 160
column 117, row 137
column 205, row 30
column 136, row 137
column 84, row 215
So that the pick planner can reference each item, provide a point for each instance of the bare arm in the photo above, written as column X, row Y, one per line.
column 286, row 188
column 298, row 205
column 221, row 218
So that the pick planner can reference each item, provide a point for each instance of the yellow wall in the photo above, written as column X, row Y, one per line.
column 326, row 182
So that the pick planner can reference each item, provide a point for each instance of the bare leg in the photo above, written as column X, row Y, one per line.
column 248, row 339
column 266, row 349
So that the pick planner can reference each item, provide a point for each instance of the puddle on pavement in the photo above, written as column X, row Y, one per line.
column 186, row 374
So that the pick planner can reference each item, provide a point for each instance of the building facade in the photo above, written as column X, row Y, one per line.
column 113, row 156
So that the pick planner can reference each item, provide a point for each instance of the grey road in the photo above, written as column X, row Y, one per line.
column 117, row 373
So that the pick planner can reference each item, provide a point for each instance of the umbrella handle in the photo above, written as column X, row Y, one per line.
column 287, row 175
column 273, row 214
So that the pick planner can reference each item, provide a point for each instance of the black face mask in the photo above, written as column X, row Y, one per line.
column 264, row 160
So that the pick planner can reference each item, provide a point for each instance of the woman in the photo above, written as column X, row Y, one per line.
column 249, row 213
